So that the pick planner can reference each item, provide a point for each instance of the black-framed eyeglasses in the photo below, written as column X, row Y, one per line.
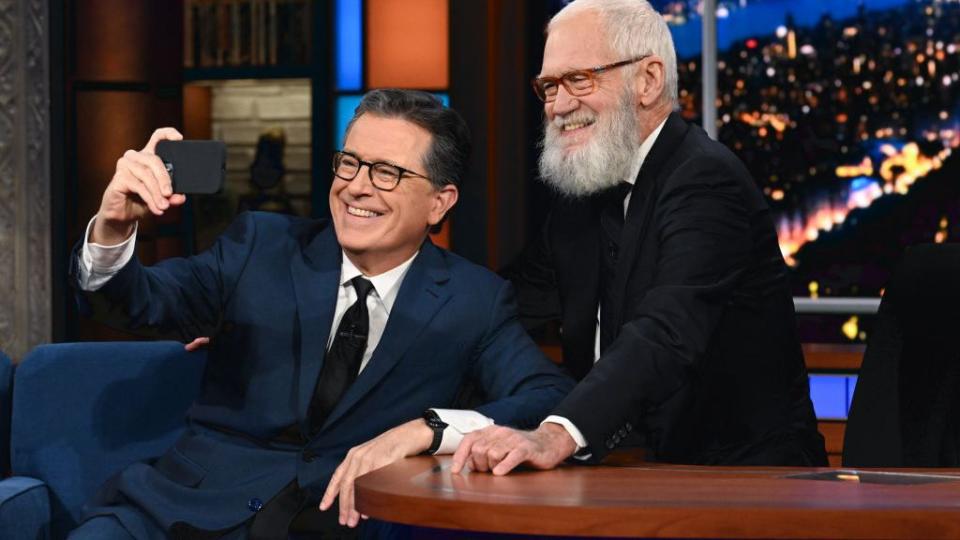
column 384, row 176
column 578, row 82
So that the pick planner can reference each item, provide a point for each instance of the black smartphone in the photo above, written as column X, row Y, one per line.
column 194, row 166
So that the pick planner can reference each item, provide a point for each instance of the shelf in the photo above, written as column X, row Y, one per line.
column 250, row 72
column 823, row 356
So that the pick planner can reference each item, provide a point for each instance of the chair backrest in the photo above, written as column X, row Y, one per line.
column 83, row 411
column 906, row 408
column 6, row 395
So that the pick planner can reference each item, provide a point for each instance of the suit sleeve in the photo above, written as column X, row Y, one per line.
column 519, row 382
column 534, row 279
column 178, row 298
column 704, row 235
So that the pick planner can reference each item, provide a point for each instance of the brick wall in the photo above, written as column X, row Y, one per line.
column 242, row 110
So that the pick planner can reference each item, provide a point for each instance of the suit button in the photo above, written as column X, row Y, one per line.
column 622, row 432
column 254, row 504
column 309, row 455
column 629, row 426
column 610, row 444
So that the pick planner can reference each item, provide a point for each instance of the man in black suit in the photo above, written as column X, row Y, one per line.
column 661, row 261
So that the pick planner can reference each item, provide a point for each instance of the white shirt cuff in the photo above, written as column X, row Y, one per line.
column 459, row 423
column 99, row 263
column 574, row 434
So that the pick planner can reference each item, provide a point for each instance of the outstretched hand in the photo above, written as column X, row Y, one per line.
column 499, row 449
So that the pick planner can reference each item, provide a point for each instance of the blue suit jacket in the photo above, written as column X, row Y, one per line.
column 266, row 292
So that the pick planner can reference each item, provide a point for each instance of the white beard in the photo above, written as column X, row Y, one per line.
column 602, row 162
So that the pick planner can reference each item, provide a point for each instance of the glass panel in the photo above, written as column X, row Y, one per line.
column 345, row 107
column 846, row 115
column 829, row 396
column 349, row 45
column 407, row 44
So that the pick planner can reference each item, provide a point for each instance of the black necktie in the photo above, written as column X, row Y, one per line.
column 342, row 364
column 611, row 226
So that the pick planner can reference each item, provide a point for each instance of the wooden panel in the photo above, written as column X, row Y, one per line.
column 197, row 111
column 833, row 356
column 407, row 44
column 819, row 356
column 112, row 40
column 108, row 124
column 128, row 40
column 442, row 238
column 833, row 434
column 553, row 352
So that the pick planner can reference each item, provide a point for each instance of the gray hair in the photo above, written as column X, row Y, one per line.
column 446, row 160
column 634, row 28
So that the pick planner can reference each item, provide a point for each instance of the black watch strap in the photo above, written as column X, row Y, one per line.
column 437, row 425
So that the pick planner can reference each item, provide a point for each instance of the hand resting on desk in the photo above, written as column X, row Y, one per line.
column 500, row 449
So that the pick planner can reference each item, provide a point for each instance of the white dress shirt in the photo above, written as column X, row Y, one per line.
column 99, row 263
column 645, row 147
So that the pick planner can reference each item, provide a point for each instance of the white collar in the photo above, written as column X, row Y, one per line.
column 641, row 156
column 386, row 285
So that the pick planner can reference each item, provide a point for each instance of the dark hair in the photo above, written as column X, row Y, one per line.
column 446, row 160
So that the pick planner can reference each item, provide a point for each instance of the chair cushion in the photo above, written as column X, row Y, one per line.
column 83, row 411
column 24, row 509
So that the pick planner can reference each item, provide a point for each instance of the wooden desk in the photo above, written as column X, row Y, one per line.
column 655, row 500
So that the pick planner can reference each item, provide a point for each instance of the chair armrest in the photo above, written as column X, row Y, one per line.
column 24, row 509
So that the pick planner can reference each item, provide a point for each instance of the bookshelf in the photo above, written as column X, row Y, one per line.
column 221, row 33
column 271, row 50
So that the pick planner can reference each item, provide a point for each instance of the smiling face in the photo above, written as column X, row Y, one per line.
column 580, row 42
column 377, row 229
column 589, row 141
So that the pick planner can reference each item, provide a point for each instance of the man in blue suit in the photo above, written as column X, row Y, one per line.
column 328, row 336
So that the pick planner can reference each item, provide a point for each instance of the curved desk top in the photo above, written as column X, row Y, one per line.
column 658, row 500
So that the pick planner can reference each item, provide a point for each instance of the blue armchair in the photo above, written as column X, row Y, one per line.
column 6, row 395
column 81, row 412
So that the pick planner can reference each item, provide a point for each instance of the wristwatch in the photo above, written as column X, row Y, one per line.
column 437, row 425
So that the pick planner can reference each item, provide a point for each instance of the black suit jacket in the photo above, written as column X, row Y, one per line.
column 705, row 364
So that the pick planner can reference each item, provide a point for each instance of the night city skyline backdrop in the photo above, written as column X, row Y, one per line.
column 846, row 114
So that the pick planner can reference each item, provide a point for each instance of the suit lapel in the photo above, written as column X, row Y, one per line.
column 316, row 277
column 421, row 295
column 641, row 205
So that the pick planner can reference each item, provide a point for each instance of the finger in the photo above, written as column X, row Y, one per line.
column 354, row 519
column 177, row 199
column 141, row 174
column 155, row 164
column 464, row 449
column 131, row 185
column 333, row 488
column 164, row 133
column 496, row 453
column 145, row 176
column 196, row 344
column 512, row 459
column 481, row 452
column 346, row 489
